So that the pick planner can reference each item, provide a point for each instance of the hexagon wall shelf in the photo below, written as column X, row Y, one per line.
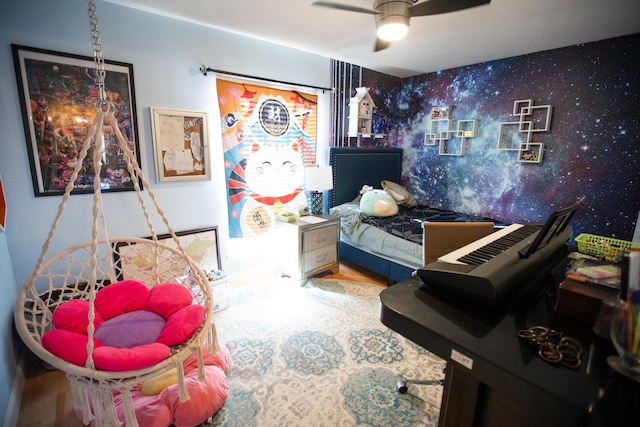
column 446, row 138
column 518, row 136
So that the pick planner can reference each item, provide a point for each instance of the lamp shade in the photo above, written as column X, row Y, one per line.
column 319, row 178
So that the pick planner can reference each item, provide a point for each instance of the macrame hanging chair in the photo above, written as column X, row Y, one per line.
column 78, row 274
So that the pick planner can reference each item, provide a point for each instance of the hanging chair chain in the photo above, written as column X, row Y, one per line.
column 97, row 49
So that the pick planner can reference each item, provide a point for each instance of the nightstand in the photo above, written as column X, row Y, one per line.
column 309, row 246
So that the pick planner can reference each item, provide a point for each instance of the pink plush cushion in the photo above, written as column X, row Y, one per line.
column 132, row 342
column 68, row 346
column 121, row 297
column 167, row 298
column 150, row 411
column 131, row 329
column 73, row 316
column 205, row 398
column 182, row 325
column 126, row 359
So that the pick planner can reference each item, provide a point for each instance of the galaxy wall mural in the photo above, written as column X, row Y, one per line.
column 592, row 147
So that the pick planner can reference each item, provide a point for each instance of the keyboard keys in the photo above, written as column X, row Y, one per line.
column 498, row 246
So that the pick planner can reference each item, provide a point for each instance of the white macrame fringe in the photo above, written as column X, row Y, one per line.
column 104, row 408
column 97, row 408
column 129, row 411
column 98, row 399
column 109, row 406
column 182, row 387
column 81, row 401
column 97, row 404
column 201, row 374
column 212, row 339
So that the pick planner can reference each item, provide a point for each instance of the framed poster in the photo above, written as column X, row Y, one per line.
column 57, row 96
column 180, row 145
column 201, row 245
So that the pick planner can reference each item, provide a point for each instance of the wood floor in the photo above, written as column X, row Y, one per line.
column 47, row 400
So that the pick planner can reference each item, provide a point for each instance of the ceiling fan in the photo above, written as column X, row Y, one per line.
column 392, row 16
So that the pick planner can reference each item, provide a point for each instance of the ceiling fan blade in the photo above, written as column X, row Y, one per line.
column 341, row 6
column 435, row 7
column 381, row 44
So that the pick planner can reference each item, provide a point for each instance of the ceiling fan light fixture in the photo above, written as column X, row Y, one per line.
column 392, row 22
column 392, row 31
column 392, row 16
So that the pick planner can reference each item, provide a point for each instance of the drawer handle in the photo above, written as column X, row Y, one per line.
column 321, row 239
column 321, row 258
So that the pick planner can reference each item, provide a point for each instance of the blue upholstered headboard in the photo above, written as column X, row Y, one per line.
column 355, row 167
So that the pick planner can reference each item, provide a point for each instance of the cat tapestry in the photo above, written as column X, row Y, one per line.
column 268, row 137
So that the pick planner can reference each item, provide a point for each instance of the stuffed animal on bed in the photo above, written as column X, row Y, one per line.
column 376, row 202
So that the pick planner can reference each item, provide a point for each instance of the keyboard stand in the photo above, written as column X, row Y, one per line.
column 492, row 378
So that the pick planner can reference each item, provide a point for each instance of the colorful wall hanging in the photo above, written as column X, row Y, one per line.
column 269, row 137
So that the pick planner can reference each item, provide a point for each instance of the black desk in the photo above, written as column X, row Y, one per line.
column 504, row 382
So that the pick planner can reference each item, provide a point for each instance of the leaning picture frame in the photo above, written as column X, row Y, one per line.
column 58, row 95
column 180, row 145
column 201, row 245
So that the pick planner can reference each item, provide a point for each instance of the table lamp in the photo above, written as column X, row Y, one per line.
column 318, row 179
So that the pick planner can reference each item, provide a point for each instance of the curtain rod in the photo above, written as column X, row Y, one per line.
column 206, row 70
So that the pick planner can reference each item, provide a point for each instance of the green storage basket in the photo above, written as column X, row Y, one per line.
column 603, row 247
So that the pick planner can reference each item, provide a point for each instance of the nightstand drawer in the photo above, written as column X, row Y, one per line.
column 319, row 237
column 309, row 246
column 319, row 258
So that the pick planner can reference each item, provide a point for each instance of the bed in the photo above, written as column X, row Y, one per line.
column 393, row 246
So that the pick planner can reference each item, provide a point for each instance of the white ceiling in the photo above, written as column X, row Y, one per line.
column 501, row 29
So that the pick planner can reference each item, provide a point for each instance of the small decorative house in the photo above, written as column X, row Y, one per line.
column 361, row 109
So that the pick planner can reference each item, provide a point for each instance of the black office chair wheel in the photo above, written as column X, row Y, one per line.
column 402, row 385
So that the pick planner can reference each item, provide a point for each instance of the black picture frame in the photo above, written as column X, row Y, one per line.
column 201, row 244
column 58, row 92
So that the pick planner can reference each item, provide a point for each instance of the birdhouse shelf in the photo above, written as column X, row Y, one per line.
column 361, row 109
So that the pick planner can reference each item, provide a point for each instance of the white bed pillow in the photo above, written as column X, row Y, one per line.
column 399, row 194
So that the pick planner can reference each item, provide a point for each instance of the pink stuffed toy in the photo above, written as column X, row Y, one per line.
column 164, row 408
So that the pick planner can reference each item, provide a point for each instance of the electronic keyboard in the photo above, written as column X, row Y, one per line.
column 490, row 246
column 488, row 270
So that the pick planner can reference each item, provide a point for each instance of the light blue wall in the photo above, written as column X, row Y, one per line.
column 166, row 55
column 9, row 354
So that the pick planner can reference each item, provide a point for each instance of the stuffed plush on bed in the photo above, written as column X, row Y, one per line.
column 399, row 194
column 376, row 202
column 134, row 326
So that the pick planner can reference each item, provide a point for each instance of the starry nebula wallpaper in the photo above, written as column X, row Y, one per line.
column 591, row 148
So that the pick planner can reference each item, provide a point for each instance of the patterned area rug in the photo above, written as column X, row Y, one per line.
column 318, row 355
